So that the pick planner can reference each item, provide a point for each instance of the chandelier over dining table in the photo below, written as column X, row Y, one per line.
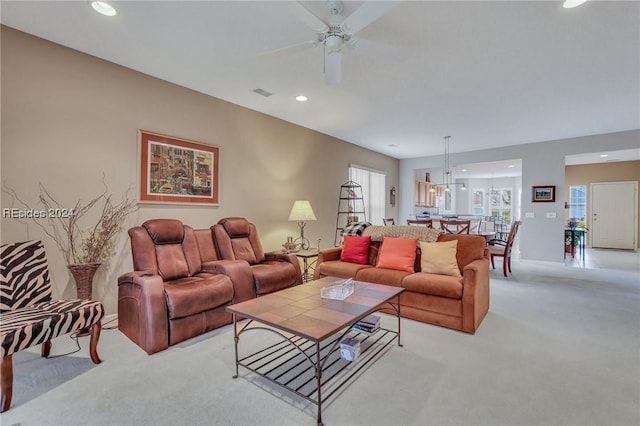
column 447, row 175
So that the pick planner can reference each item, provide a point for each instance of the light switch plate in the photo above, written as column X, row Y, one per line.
column 529, row 215
column 551, row 215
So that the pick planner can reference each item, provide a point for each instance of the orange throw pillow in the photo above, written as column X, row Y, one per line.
column 398, row 254
column 355, row 249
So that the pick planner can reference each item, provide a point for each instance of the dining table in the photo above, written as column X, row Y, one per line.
column 488, row 235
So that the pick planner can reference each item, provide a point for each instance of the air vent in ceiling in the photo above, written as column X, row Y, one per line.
column 262, row 92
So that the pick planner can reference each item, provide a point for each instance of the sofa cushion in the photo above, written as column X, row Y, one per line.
column 434, row 284
column 192, row 295
column 164, row 231
column 272, row 276
column 355, row 249
column 440, row 258
column 236, row 227
column 337, row 268
column 243, row 250
column 470, row 247
column 390, row 277
column 172, row 263
column 36, row 324
column 398, row 254
column 355, row 228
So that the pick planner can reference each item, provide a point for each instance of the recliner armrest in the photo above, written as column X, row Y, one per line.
column 283, row 257
column 289, row 258
column 143, row 278
column 240, row 274
column 142, row 310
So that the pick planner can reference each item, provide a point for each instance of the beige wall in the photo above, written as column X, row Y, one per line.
column 586, row 174
column 68, row 118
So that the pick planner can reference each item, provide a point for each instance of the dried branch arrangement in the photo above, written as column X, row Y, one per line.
column 80, row 245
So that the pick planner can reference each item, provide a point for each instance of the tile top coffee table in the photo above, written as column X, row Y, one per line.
column 311, row 329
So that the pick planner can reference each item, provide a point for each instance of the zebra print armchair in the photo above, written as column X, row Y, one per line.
column 29, row 317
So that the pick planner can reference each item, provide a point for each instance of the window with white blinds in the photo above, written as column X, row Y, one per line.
column 373, row 191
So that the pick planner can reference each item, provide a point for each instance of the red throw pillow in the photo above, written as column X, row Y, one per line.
column 398, row 254
column 355, row 249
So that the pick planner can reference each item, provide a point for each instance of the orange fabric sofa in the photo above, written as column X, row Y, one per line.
column 460, row 303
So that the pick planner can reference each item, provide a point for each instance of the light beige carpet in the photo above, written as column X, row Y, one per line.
column 560, row 346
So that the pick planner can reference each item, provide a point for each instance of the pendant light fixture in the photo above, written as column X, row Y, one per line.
column 447, row 175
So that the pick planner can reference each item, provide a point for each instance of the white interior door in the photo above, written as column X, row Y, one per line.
column 614, row 215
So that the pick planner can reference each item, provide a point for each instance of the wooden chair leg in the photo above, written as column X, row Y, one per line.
column 93, row 342
column 46, row 349
column 493, row 263
column 6, row 381
column 505, row 262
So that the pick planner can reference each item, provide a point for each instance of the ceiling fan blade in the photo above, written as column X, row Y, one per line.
column 308, row 17
column 378, row 49
column 332, row 67
column 366, row 14
column 294, row 48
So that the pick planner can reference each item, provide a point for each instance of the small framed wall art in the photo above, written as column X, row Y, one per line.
column 177, row 171
column 543, row 194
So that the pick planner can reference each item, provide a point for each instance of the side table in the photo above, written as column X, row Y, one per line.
column 309, row 259
column 576, row 237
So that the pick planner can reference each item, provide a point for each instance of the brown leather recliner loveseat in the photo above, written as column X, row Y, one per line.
column 171, row 295
column 181, row 286
column 460, row 303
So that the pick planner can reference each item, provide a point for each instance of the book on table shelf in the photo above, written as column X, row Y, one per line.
column 370, row 321
column 366, row 329
column 368, row 324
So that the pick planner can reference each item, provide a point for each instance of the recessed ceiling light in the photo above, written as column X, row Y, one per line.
column 103, row 8
column 568, row 4
column 301, row 98
column 511, row 166
column 464, row 170
column 604, row 155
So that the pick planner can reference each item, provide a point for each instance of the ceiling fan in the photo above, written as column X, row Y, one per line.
column 334, row 31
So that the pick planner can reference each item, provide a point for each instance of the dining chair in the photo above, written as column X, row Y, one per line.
column 503, row 248
column 420, row 222
column 388, row 221
column 455, row 226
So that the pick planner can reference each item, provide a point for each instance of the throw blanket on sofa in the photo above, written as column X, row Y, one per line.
column 422, row 233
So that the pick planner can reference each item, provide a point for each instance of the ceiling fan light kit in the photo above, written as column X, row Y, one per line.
column 334, row 31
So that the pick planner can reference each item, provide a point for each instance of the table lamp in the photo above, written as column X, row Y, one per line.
column 302, row 212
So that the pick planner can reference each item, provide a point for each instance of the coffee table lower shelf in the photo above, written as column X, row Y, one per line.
column 313, row 370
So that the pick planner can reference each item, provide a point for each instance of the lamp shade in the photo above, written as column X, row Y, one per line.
column 302, row 211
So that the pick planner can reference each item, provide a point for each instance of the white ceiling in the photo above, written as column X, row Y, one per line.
column 489, row 74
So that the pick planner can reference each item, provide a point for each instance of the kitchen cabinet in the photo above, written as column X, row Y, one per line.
column 426, row 194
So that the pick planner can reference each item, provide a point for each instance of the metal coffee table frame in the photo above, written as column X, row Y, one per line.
column 313, row 368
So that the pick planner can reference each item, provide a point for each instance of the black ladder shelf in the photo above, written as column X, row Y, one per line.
column 350, row 208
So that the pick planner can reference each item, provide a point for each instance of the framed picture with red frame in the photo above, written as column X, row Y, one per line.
column 177, row 171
